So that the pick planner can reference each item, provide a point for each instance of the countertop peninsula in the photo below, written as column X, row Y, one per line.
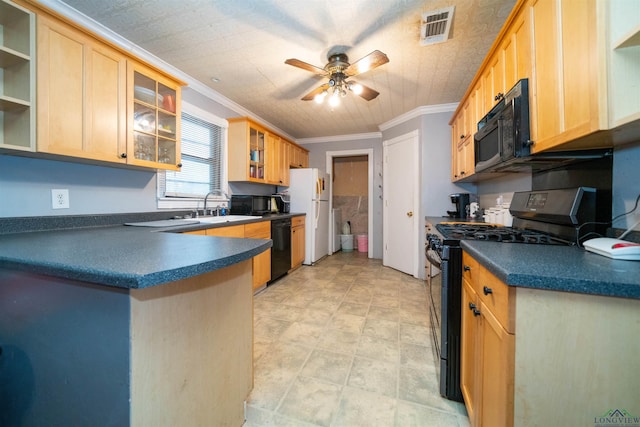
column 134, row 325
column 100, row 249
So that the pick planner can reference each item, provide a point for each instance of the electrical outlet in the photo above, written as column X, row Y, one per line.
column 60, row 198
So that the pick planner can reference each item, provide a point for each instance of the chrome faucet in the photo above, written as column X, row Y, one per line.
column 212, row 193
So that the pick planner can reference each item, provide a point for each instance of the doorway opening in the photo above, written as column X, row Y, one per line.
column 351, row 192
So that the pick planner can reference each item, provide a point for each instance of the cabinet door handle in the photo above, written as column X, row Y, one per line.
column 466, row 268
column 461, row 136
column 487, row 290
column 123, row 155
column 472, row 306
column 179, row 165
column 499, row 96
column 476, row 312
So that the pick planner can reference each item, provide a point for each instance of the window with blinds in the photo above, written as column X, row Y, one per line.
column 201, row 147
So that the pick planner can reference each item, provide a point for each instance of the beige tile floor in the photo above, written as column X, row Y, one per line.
column 346, row 343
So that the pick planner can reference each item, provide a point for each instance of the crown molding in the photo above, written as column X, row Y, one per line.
column 339, row 138
column 80, row 18
column 116, row 39
column 417, row 112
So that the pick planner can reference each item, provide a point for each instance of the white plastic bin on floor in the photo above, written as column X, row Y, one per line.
column 346, row 240
column 363, row 243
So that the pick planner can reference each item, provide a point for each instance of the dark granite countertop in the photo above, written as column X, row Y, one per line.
column 557, row 268
column 126, row 257
column 99, row 249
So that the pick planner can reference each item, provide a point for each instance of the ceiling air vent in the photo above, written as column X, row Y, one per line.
column 436, row 25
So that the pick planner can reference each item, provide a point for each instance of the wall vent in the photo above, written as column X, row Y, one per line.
column 436, row 26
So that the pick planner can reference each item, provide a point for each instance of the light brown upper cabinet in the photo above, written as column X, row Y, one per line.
column 81, row 94
column 153, row 119
column 568, row 101
column 247, row 151
column 282, row 177
column 462, row 155
column 298, row 156
column 96, row 102
column 581, row 58
column 257, row 154
column 277, row 170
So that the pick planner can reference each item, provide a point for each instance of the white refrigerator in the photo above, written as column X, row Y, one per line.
column 309, row 194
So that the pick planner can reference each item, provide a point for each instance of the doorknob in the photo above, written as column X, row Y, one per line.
column 410, row 214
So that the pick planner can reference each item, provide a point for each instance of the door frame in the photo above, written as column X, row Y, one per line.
column 415, row 241
column 330, row 155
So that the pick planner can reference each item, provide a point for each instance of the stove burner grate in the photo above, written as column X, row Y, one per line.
column 496, row 233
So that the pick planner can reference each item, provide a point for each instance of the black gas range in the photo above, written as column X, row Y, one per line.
column 550, row 217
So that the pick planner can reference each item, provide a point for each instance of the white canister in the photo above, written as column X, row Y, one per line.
column 474, row 207
column 507, row 218
column 491, row 216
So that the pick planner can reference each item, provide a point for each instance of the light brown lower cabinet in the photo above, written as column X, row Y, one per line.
column 487, row 347
column 255, row 230
column 262, row 262
column 230, row 231
column 534, row 357
column 297, row 241
column 196, row 232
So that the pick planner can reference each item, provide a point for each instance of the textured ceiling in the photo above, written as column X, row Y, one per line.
column 244, row 43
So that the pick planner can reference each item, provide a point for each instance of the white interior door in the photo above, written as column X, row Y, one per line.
column 400, row 203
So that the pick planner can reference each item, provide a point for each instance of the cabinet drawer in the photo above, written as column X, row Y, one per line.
column 297, row 221
column 258, row 230
column 472, row 271
column 498, row 297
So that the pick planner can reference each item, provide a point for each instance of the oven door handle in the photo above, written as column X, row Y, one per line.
column 433, row 261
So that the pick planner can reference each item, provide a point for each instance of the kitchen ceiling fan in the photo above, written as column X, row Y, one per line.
column 338, row 70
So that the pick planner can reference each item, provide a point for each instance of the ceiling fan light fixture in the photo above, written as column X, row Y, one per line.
column 319, row 98
column 337, row 71
column 334, row 99
column 355, row 88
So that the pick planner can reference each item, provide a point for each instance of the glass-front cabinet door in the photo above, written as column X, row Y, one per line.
column 154, row 121
column 256, row 153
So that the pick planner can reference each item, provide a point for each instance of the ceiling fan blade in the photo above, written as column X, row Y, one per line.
column 369, row 62
column 306, row 66
column 367, row 92
column 316, row 91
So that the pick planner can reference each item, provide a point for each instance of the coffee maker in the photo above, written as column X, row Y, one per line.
column 461, row 202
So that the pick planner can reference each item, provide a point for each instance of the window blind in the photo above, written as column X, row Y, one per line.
column 201, row 148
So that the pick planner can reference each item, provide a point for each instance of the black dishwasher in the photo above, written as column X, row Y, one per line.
column 281, row 249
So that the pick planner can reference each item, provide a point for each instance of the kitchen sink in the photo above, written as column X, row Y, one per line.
column 226, row 218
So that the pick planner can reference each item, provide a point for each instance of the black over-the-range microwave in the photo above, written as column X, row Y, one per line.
column 503, row 134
